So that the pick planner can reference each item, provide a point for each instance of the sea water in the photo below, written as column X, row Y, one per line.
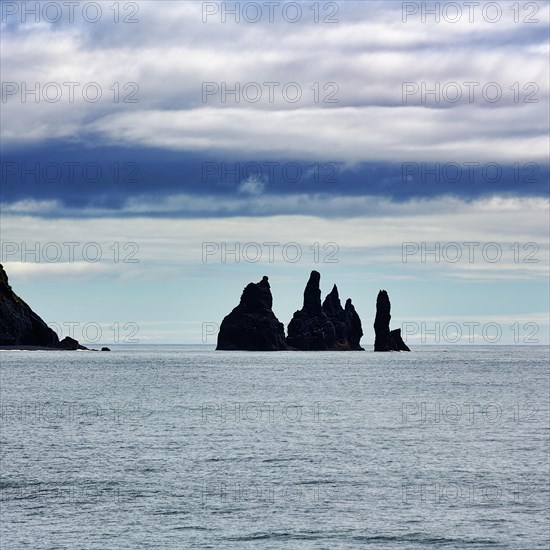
column 186, row 447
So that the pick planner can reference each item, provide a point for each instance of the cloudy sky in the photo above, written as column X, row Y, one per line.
column 383, row 144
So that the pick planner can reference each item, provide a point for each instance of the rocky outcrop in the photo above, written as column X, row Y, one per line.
column 346, row 322
column 71, row 344
column 382, row 338
column 19, row 324
column 396, row 337
column 252, row 325
column 355, row 329
column 310, row 328
column 328, row 326
column 386, row 340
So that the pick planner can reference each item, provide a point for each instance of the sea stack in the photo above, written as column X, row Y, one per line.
column 252, row 325
column 324, row 327
column 385, row 339
column 19, row 324
column 346, row 322
column 310, row 329
column 354, row 327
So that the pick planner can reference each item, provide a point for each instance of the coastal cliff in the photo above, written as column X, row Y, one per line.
column 19, row 324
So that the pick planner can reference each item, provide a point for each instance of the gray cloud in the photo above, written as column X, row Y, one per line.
column 362, row 62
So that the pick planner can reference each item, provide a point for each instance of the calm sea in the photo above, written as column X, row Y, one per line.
column 185, row 447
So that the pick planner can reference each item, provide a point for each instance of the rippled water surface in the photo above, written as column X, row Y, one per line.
column 180, row 447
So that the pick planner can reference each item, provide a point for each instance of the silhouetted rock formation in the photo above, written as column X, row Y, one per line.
column 310, row 329
column 71, row 344
column 355, row 329
column 326, row 327
column 335, row 312
column 346, row 322
column 396, row 337
column 386, row 340
column 252, row 325
column 19, row 324
column 382, row 338
column 105, row 349
column 312, row 295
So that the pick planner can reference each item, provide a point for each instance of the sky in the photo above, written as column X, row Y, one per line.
column 157, row 156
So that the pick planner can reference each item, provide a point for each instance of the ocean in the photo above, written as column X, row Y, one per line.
column 185, row 447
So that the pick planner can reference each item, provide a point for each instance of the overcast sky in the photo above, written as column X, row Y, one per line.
column 347, row 132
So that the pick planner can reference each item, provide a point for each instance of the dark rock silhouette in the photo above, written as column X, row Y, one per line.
column 333, row 309
column 386, row 340
column 19, row 324
column 312, row 295
column 355, row 329
column 323, row 327
column 252, row 325
column 105, row 349
column 346, row 322
column 396, row 337
column 310, row 328
column 382, row 338
column 71, row 344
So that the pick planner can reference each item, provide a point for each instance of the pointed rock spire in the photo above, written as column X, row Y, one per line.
column 310, row 328
column 326, row 327
column 354, row 327
column 312, row 294
column 386, row 340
